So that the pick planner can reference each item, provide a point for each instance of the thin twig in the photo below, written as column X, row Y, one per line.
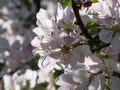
column 79, row 21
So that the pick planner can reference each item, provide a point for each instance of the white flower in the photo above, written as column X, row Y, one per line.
column 97, row 83
column 66, row 82
column 93, row 64
column 114, row 83
column 31, row 76
column 81, row 76
column 8, row 82
column 109, row 17
column 55, row 41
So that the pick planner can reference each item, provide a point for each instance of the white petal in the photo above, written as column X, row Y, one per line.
column 93, row 64
column 8, row 82
column 46, row 23
column 105, row 36
column 86, row 50
column 116, row 42
column 114, row 83
column 65, row 80
column 97, row 83
column 111, row 3
column 65, row 88
column 43, row 14
column 118, row 2
column 59, row 15
column 80, row 76
column 77, row 54
column 41, row 31
column 68, row 15
column 111, row 65
column 46, row 63
column 35, row 42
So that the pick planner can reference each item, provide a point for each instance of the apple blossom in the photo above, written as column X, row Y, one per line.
column 78, row 43
column 108, row 16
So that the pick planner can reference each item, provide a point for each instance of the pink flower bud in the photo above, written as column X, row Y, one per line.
column 87, row 4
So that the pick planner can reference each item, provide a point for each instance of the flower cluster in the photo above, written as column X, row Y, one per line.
column 16, row 55
column 84, row 42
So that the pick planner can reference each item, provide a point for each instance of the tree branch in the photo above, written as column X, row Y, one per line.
column 79, row 21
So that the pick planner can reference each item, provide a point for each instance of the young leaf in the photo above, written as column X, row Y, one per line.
column 66, row 2
column 97, row 45
column 94, row 1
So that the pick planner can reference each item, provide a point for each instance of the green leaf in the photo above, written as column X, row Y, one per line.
column 27, row 87
column 91, row 24
column 93, row 27
column 55, row 75
column 1, row 66
column 106, row 83
column 94, row 1
column 97, row 45
column 66, row 2
column 34, row 63
column 42, row 86
column 116, row 74
column 94, row 31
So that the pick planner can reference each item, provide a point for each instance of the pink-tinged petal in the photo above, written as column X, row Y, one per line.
column 65, row 88
column 47, row 63
column 86, row 50
column 118, row 2
column 51, row 46
column 97, row 83
column 41, row 31
column 68, row 40
column 111, row 65
column 105, row 20
column 65, row 80
column 114, row 83
column 77, row 55
column 40, row 51
column 56, row 55
column 81, row 76
column 44, row 35
column 35, row 42
column 112, row 3
column 96, row 7
column 46, row 23
column 93, row 64
column 107, row 9
column 79, row 38
column 115, row 43
column 104, row 12
column 68, row 15
column 112, row 53
column 43, row 14
column 59, row 15
column 71, row 60
column 105, row 36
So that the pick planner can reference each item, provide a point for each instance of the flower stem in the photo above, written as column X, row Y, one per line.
column 79, row 21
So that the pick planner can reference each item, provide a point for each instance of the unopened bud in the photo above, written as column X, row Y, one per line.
column 87, row 4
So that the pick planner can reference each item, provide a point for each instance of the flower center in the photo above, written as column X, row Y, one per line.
column 116, row 27
column 68, row 27
column 64, row 50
